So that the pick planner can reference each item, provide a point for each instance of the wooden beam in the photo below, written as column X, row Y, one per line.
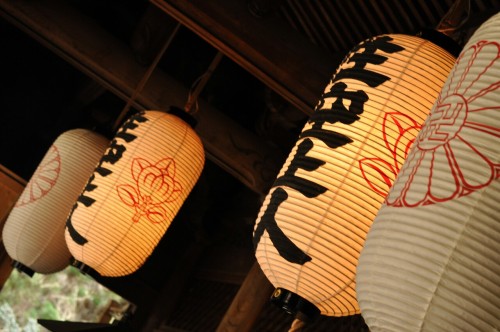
column 95, row 52
column 11, row 187
column 150, row 33
column 268, row 48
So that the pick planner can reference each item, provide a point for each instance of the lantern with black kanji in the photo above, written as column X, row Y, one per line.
column 313, row 222
column 140, row 184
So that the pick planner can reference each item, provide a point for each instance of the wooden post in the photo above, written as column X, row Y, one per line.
column 255, row 291
column 11, row 187
column 289, row 64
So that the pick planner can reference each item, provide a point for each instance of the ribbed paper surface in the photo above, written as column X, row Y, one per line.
column 34, row 231
column 432, row 259
column 141, row 183
column 337, row 175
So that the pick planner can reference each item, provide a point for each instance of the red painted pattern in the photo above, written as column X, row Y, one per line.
column 457, row 131
column 155, row 186
column 384, row 170
column 44, row 178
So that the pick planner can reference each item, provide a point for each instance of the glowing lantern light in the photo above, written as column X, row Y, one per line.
column 432, row 259
column 313, row 223
column 139, row 186
column 34, row 231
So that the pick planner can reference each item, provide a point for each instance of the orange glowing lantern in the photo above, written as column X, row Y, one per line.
column 139, row 186
column 33, row 234
column 431, row 262
column 313, row 223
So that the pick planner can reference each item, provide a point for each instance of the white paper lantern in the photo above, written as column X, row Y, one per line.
column 313, row 223
column 33, row 234
column 139, row 186
column 432, row 259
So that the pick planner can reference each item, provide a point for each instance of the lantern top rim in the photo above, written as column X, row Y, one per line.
column 183, row 115
column 440, row 39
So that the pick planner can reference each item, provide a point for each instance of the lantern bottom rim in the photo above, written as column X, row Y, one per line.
column 84, row 268
column 294, row 304
column 23, row 268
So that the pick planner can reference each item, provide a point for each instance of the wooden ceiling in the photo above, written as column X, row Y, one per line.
column 277, row 56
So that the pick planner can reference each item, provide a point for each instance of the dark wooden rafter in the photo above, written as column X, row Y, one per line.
column 93, row 51
column 285, row 61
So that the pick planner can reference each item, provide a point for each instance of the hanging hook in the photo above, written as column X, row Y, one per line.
column 455, row 18
column 145, row 78
column 199, row 84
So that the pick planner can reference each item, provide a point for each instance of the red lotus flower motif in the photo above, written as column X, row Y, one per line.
column 44, row 178
column 155, row 186
column 378, row 171
column 457, row 134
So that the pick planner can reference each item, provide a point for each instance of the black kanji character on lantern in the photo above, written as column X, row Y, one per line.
column 358, row 71
column 286, row 248
column 113, row 154
column 337, row 113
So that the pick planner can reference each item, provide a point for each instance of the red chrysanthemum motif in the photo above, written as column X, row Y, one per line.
column 456, row 135
column 44, row 178
column 155, row 186
column 380, row 172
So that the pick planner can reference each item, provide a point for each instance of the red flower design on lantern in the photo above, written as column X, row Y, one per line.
column 44, row 178
column 155, row 186
column 456, row 135
column 380, row 172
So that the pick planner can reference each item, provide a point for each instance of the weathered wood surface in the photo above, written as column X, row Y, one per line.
column 11, row 187
column 268, row 48
column 92, row 50
column 247, row 305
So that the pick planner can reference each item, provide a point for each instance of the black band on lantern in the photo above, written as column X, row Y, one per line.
column 294, row 304
column 85, row 269
column 183, row 115
column 441, row 40
column 23, row 268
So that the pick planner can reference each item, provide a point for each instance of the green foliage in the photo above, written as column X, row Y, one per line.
column 66, row 295
column 8, row 321
column 44, row 310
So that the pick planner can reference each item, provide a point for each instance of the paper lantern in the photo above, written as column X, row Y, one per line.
column 432, row 259
column 139, row 186
column 313, row 222
column 33, row 234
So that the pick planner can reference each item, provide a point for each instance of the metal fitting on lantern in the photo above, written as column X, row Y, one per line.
column 85, row 269
column 183, row 115
column 23, row 268
column 294, row 304
column 442, row 40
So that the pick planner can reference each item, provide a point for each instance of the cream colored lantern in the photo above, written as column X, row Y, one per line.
column 432, row 258
column 33, row 234
column 313, row 223
column 139, row 186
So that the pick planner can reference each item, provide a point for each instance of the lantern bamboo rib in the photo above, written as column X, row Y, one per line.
column 372, row 114
column 34, row 232
column 134, row 202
